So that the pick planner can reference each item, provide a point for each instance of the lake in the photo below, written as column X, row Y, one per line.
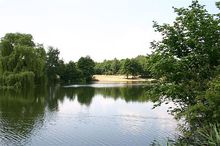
column 116, row 114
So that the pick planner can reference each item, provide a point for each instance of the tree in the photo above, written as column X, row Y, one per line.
column 126, row 67
column 115, row 66
column 52, row 64
column 143, row 65
column 71, row 73
column 22, row 62
column 130, row 66
column 186, row 60
column 86, row 66
column 99, row 68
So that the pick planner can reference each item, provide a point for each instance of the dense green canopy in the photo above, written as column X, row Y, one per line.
column 22, row 62
column 187, row 62
column 25, row 64
column 135, row 66
column 86, row 65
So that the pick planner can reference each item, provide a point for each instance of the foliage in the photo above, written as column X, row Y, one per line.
column 187, row 61
column 108, row 67
column 86, row 66
column 138, row 66
column 20, row 58
column 67, row 73
column 53, row 64
column 131, row 67
column 71, row 73
column 208, row 135
column 18, row 80
column 143, row 65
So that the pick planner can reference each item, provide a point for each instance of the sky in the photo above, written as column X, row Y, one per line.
column 102, row 29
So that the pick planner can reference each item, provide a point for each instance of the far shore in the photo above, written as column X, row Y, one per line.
column 119, row 78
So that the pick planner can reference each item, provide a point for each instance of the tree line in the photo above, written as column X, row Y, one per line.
column 135, row 66
column 71, row 72
column 24, row 63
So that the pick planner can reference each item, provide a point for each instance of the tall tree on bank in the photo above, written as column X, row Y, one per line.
column 115, row 66
column 86, row 66
column 130, row 67
column 52, row 65
column 187, row 61
column 22, row 62
column 71, row 73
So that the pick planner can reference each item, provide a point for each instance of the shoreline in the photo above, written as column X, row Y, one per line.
column 119, row 78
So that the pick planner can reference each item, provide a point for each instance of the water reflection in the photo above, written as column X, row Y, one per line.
column 20, row 115
column 84, row 95
column 61, row 115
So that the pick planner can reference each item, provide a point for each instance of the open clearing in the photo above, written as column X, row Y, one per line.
column 118, row 78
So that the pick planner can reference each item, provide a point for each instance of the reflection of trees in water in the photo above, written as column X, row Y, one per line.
column 57, row 94
column 23, row 113
column 129, row 93
column 84, row 95
column 20, row 113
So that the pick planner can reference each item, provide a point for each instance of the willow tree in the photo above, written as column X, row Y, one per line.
column 22, row 62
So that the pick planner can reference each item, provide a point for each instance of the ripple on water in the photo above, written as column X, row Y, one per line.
column 118, row 120
column 124, row 129
column 118, row 134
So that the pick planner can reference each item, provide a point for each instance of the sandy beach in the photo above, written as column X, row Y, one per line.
column 118, row 78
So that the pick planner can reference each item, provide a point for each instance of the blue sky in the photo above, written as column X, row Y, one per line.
column 102, row 29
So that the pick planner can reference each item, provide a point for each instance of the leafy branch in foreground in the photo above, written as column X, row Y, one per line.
column 186, row 61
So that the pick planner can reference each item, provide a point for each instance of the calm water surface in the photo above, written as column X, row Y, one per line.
column 83, row 115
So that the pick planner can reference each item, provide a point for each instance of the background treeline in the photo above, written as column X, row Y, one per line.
column 135, row 66
column 26, row 64
column 23, row 63
column 71, row 72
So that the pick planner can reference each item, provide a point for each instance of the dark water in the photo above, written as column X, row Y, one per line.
column 83, row 115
